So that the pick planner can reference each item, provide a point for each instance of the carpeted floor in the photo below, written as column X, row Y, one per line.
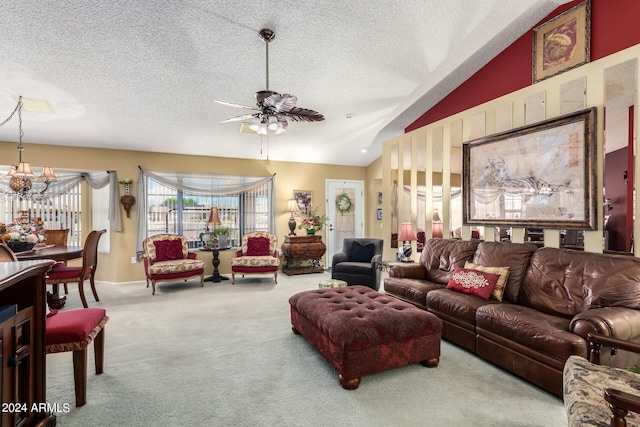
column 225, row 355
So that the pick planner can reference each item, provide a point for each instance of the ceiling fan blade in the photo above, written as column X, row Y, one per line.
column 230, row 104
column 298, row 114
column 240, row 118
column 280, row 102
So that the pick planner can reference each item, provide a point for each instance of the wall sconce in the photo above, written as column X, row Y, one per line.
column 127, row 200
column 406, row 236
column 436, row 225
column 292, row 207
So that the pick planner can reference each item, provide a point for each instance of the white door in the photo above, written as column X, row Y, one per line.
column 345, row 210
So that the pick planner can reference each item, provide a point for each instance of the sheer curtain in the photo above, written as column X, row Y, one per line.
column 201, row 185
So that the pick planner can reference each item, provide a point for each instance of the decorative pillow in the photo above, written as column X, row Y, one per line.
column 167, row 250
column 503, row 272
column 258, row 246
column 361, row 253
column 473, row 282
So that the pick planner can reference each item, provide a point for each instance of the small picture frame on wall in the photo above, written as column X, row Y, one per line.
column 379, row 197
column 562, row 43
column 379, row 214
column 302, row 198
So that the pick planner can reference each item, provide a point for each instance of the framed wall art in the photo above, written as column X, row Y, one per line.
column 541, row 175
column 302, row 198
column 562, row 43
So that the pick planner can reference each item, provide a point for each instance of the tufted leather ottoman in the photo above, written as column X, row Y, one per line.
column 360, row 331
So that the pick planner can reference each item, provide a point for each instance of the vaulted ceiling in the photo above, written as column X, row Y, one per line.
column 144, row 75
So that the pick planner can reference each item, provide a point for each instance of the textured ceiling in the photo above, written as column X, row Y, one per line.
column 143, row 75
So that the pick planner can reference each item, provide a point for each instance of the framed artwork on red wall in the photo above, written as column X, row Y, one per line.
column 562, row 43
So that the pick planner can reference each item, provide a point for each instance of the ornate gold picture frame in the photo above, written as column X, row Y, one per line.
column 562, row 43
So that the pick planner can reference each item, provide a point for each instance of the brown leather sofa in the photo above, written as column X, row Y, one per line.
column 552, row 299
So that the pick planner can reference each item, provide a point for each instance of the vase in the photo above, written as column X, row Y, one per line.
column 311, row 232
column 20, row 246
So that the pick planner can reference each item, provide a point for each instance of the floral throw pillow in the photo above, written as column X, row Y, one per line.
column 258, row 246
column 167, row 250
column 503, row 272
column 473, row 282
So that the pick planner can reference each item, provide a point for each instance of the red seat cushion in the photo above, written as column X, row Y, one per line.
column 73, row 325
column 65, row 272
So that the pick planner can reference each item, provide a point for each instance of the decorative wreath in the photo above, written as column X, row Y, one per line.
column 344, row 204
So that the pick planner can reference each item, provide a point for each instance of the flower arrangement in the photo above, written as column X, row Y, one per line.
column 22, row 237
column 311, row 220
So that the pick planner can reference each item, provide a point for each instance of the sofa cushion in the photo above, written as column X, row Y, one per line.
column 503, row 272
column 176, row 266
column 410, row 290
column 564, row 282
column 473, row 282
column 456, row 307
column 528, row 330
column 516, row 256
column 361, row 268
column 361, row 253
column 167, row 250
column 441, row 256
column 255, row 261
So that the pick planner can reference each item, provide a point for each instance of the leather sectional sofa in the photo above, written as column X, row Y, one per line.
column 552, row 299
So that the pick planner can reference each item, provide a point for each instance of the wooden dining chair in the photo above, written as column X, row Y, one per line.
column 6, row 254
column 56, row 237
column 65, row 274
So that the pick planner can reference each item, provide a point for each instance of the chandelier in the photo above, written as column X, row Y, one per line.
column 20, row 175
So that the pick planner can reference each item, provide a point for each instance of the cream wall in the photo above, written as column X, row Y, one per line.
column 116, row 266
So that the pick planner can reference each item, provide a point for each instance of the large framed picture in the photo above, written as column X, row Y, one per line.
column 562, row 43
column 542, row 175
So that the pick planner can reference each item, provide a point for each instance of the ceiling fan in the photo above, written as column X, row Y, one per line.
column 273, row 109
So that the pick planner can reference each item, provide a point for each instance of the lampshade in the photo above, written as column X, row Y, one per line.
column 292, row 206
column 436, row 216
column 24, row 170
column 47, row 174
column 436, row 230
column 213, row 217
column 406, row 233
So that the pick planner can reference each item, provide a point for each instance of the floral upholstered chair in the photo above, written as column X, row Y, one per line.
column 167, row 259
column 258, row 255
column 598, row 395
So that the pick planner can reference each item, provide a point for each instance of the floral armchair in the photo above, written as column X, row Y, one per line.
column 598, row 395
column 258, row 255
column 167, row 259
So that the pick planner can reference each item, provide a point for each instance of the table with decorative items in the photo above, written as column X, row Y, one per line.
column 389, row 264
column 303, row 254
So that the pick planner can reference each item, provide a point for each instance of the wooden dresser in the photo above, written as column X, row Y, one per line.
column 303, row 254
column 24, row 401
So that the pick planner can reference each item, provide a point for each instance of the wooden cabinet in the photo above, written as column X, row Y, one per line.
column 303, row 254
column 23, row 373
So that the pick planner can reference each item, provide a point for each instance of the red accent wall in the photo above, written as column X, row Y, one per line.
column 614, row 27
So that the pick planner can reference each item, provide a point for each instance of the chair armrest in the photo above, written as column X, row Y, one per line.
column 191, row 255
column 597, row 341
column 239, row 253
column 276, row 254
column 409, row 271
column 377, row 259
column 620, row 403
column 338, row 257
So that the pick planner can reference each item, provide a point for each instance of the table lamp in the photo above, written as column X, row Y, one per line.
column 214, row 219
column 292, row 207
column 436, row 225
column 406, row 236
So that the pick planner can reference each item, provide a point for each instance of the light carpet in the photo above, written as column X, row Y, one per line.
column 225, row 355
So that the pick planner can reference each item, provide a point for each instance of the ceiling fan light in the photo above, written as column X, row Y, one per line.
column 280, row 130
column 274, row 124
column 262, row 129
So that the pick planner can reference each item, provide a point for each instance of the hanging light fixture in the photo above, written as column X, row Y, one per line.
column 20, row 175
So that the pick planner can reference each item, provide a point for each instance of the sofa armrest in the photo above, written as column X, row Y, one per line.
column 409, row 271
column 618, row 322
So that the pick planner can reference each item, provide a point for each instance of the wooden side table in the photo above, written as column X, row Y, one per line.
column 216, row 277
column 303, row 254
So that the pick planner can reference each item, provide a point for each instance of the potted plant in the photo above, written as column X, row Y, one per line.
column 222, row 233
